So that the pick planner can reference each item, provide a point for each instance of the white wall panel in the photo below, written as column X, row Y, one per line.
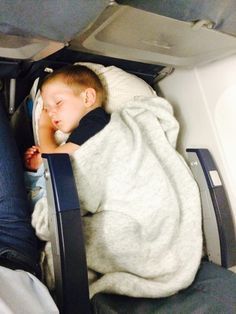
column 204, row 100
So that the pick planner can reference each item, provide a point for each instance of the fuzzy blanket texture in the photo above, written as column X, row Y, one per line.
column 143, row 236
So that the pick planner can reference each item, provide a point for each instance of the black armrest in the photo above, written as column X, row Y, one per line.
column 69, row 258
column 217, row 216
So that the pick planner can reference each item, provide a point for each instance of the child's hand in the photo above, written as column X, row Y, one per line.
column 32, row 158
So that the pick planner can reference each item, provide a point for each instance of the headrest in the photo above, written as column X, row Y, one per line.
column 120, row 86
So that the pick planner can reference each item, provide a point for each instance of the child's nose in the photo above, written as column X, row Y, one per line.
column 51, row 111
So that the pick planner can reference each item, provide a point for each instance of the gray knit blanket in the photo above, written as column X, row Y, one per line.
column 143, row 233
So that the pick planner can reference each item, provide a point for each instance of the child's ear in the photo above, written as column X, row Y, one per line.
column 89, row 96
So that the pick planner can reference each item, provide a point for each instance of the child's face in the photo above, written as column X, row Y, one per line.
column 64, row 107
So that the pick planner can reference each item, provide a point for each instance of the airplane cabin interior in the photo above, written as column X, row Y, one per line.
column 185, row 52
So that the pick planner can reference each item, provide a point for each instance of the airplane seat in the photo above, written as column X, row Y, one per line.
column 213, row 290
column 72, row 294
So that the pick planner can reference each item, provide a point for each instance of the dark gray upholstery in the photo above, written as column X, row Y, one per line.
column 213, row 291
column 54, row 19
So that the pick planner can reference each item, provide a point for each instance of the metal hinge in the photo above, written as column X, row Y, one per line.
column 163, row 73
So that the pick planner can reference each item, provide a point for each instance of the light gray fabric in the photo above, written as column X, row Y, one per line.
column 22, row 293
column 145, row 232
column 144, row 235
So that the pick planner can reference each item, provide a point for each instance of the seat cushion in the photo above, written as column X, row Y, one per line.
column 213, row 291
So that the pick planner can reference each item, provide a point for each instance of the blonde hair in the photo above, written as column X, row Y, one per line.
column 78, row 77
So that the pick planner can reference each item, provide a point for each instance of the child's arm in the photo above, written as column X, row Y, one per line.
column 47, row 140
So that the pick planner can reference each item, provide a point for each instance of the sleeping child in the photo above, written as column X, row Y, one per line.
column 72, row 103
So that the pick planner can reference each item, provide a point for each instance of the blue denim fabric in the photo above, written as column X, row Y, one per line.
column 16, row 232
column 35, row 185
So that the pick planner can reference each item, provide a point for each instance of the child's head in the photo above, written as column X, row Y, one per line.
column 69, row 94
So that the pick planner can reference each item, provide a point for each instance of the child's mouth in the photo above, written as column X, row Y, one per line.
column 56, row 123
